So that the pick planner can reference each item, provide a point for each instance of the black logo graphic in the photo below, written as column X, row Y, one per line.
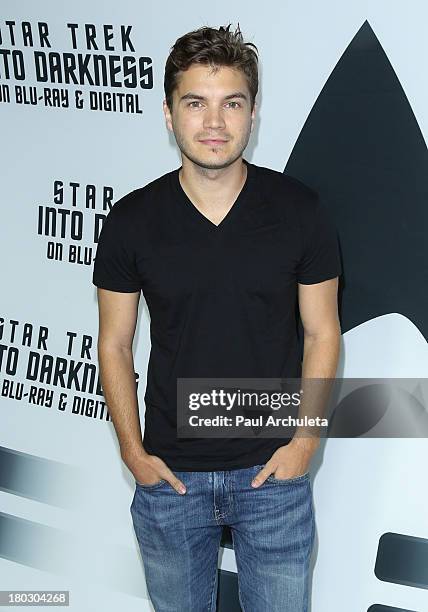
column 362, row 150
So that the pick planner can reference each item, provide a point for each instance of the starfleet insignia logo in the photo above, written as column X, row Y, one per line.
column 362, row 150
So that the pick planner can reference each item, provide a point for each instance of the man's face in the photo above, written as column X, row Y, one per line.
column 211, row 116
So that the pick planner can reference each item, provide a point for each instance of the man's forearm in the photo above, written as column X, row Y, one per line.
column 320, row 359
column 320, row 356
column 120, row 392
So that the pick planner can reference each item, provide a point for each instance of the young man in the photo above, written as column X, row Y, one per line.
column 222, row 250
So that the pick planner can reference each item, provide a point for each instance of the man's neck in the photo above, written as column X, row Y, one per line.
column 213, row 191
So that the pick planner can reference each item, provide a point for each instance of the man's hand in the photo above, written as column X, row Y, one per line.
column 150, row 469
column 288, row 461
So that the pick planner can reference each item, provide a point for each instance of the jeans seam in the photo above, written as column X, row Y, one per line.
column 212, row 604
column 313, row 521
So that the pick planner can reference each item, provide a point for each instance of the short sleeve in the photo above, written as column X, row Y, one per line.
column 320, row 257
column 115, row 262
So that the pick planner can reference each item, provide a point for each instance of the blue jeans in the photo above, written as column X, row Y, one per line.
column 179, row 537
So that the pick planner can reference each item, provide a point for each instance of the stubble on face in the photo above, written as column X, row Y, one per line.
column 212, row 164
column 190, row 127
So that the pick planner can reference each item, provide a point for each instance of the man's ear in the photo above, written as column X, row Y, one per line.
column 168, row 117
column 253, row 115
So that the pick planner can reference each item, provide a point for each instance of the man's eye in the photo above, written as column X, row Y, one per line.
column 196, row 103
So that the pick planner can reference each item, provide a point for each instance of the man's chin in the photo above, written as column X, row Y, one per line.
column 211, row 163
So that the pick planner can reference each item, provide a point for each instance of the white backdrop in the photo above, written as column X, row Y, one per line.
column 362, row 488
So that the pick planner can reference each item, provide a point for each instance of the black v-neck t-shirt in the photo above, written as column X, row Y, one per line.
column 222, row 298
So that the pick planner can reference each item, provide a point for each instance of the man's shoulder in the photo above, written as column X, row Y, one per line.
column 284, row 183
column 290, row 195
column 140, row 199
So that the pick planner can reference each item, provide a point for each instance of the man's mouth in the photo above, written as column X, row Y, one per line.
column 213, row 141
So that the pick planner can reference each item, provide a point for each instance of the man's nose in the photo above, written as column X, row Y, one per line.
column 213, row 118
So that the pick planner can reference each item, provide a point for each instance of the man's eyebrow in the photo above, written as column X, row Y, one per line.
column 193, row 96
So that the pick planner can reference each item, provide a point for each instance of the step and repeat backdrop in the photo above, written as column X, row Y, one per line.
column 343, row 106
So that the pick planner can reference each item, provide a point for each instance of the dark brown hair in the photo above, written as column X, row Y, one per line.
column 215, row 48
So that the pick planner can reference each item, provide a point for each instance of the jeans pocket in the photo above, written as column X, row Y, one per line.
column 301, row 477
column 272, row 478
column 151, row 486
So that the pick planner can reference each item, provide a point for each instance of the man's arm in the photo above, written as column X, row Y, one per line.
column 320, row 320
column 117, row 322
column 318, row 311
column 118, row 313
column 321, row 346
